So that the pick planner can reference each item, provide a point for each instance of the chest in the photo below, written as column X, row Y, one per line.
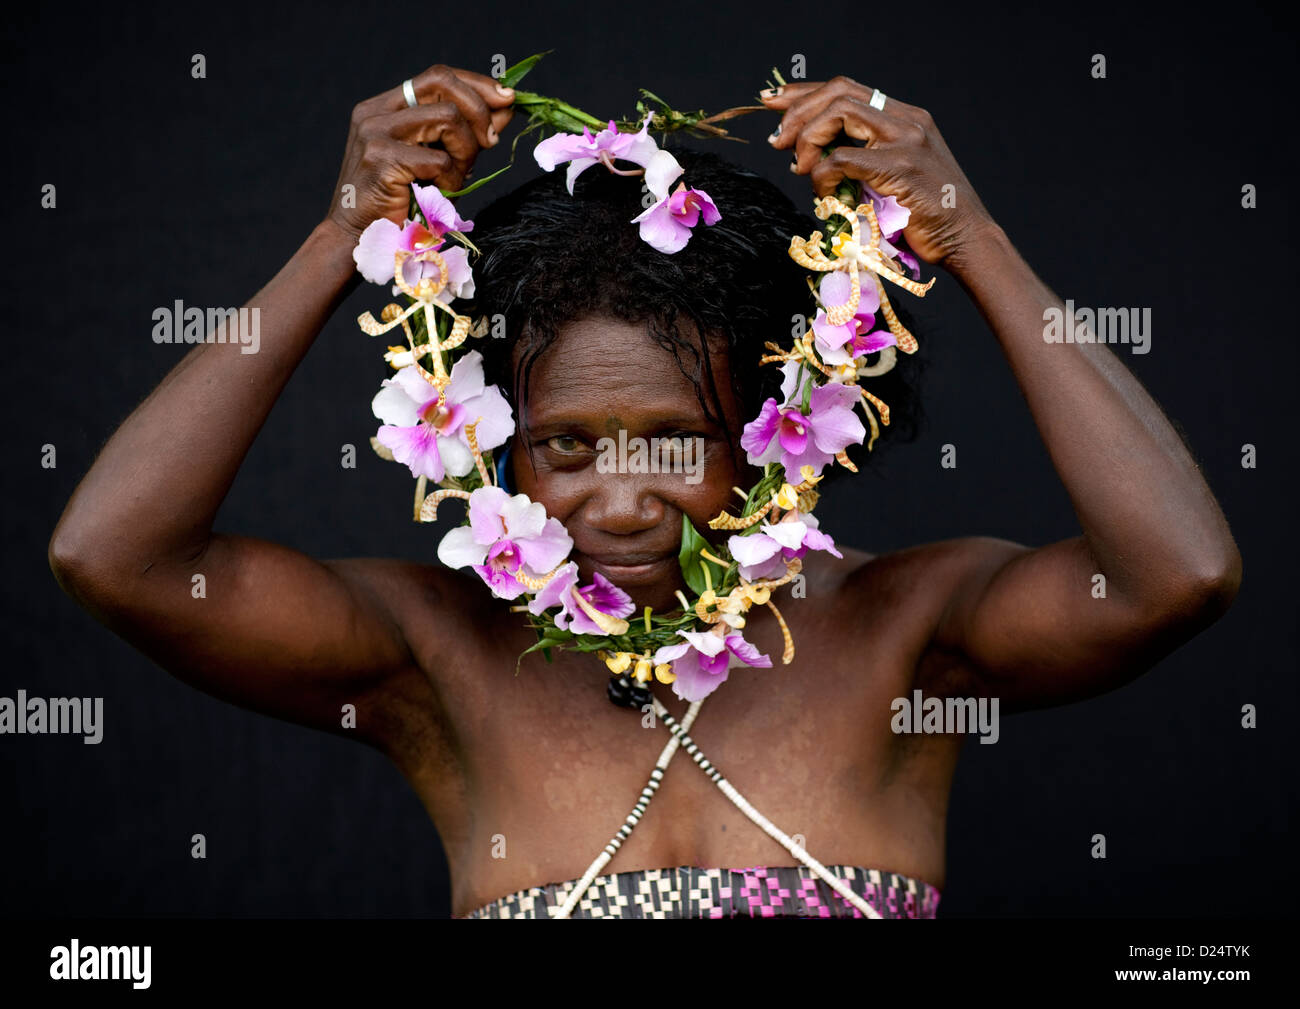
column 551, row 769
column 546, row 770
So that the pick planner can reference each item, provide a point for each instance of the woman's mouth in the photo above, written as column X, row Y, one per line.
column 632, row 569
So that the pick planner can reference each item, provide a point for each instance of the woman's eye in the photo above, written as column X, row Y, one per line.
column 688, row 441
column 564, row 444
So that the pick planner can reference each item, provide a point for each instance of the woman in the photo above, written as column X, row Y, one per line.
column 527, row 776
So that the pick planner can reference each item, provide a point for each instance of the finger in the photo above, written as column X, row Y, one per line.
column 810, row 103
column 448, row 86
column 421, row 164
column 425, row 124
column 442, row 83
column 813, row 103
column 488, row 88
column 783, row 97
column 842, row 116
column 501, row 118
column 801, row 111
column 872, row 165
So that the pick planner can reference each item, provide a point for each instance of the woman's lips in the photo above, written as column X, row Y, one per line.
column 632, row 569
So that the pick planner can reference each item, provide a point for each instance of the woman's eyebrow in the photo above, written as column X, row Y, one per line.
column 610, row 425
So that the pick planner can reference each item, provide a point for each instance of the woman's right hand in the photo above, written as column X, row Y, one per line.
column 459, row 113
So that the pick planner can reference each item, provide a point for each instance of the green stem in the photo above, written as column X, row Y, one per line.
column 555, row 112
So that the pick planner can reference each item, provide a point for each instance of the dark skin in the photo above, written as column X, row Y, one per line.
column 428, row 657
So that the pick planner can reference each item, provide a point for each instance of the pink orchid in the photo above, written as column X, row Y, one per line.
column 763, row 554
column 460, row 278
column 439, row 212
column 701, row 664
column 374, row 256
column 374, row 250
column 602, row 595
column 667, row 224
column 427, row 432
column 506, row 536
column 786, row 435
column 841, row 344
column 892, row 217
column 865, row 340
column 606, row 147
column 382, row 238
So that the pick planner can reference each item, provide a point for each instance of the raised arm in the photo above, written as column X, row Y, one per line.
column 273, row 630
column 1029, row 623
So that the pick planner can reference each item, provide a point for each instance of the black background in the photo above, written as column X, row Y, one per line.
column 1119, row 192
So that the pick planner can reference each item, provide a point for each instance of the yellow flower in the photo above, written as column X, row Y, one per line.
column 619, row 661
column 734, row 602
column 399, row 357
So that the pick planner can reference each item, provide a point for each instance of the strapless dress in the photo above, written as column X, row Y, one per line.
column 759, row 892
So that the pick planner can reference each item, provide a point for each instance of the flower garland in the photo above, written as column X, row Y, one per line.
column 442, row 422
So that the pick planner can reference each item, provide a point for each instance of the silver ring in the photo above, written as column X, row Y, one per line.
column 877, row 99
column 408, row 91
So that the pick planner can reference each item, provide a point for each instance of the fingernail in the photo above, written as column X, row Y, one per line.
column 775, row 134
column 492, row 135
column 794, row 165
column 770, row 92
column 506, row 92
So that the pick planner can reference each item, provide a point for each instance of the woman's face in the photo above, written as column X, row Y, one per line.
column 605, row 383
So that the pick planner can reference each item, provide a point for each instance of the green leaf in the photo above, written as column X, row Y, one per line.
column 553, row 636
column 654, row 98
column 513, row 75
column 449, row 193
column 690, row 560
column 588, row 644
column 545, row 642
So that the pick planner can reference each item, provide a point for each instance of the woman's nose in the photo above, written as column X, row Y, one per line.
column 623, row 504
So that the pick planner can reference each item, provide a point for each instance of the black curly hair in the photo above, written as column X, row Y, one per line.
column 549, row 259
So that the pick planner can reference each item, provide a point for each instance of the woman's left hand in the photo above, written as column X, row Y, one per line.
column 904, row 157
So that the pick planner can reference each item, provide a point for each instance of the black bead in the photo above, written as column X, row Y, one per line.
column 641, row 696
column 620, row 690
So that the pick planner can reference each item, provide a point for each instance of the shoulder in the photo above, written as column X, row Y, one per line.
column 904, row 596
column 435, row 612
column 422, row 600
column 924, row 578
